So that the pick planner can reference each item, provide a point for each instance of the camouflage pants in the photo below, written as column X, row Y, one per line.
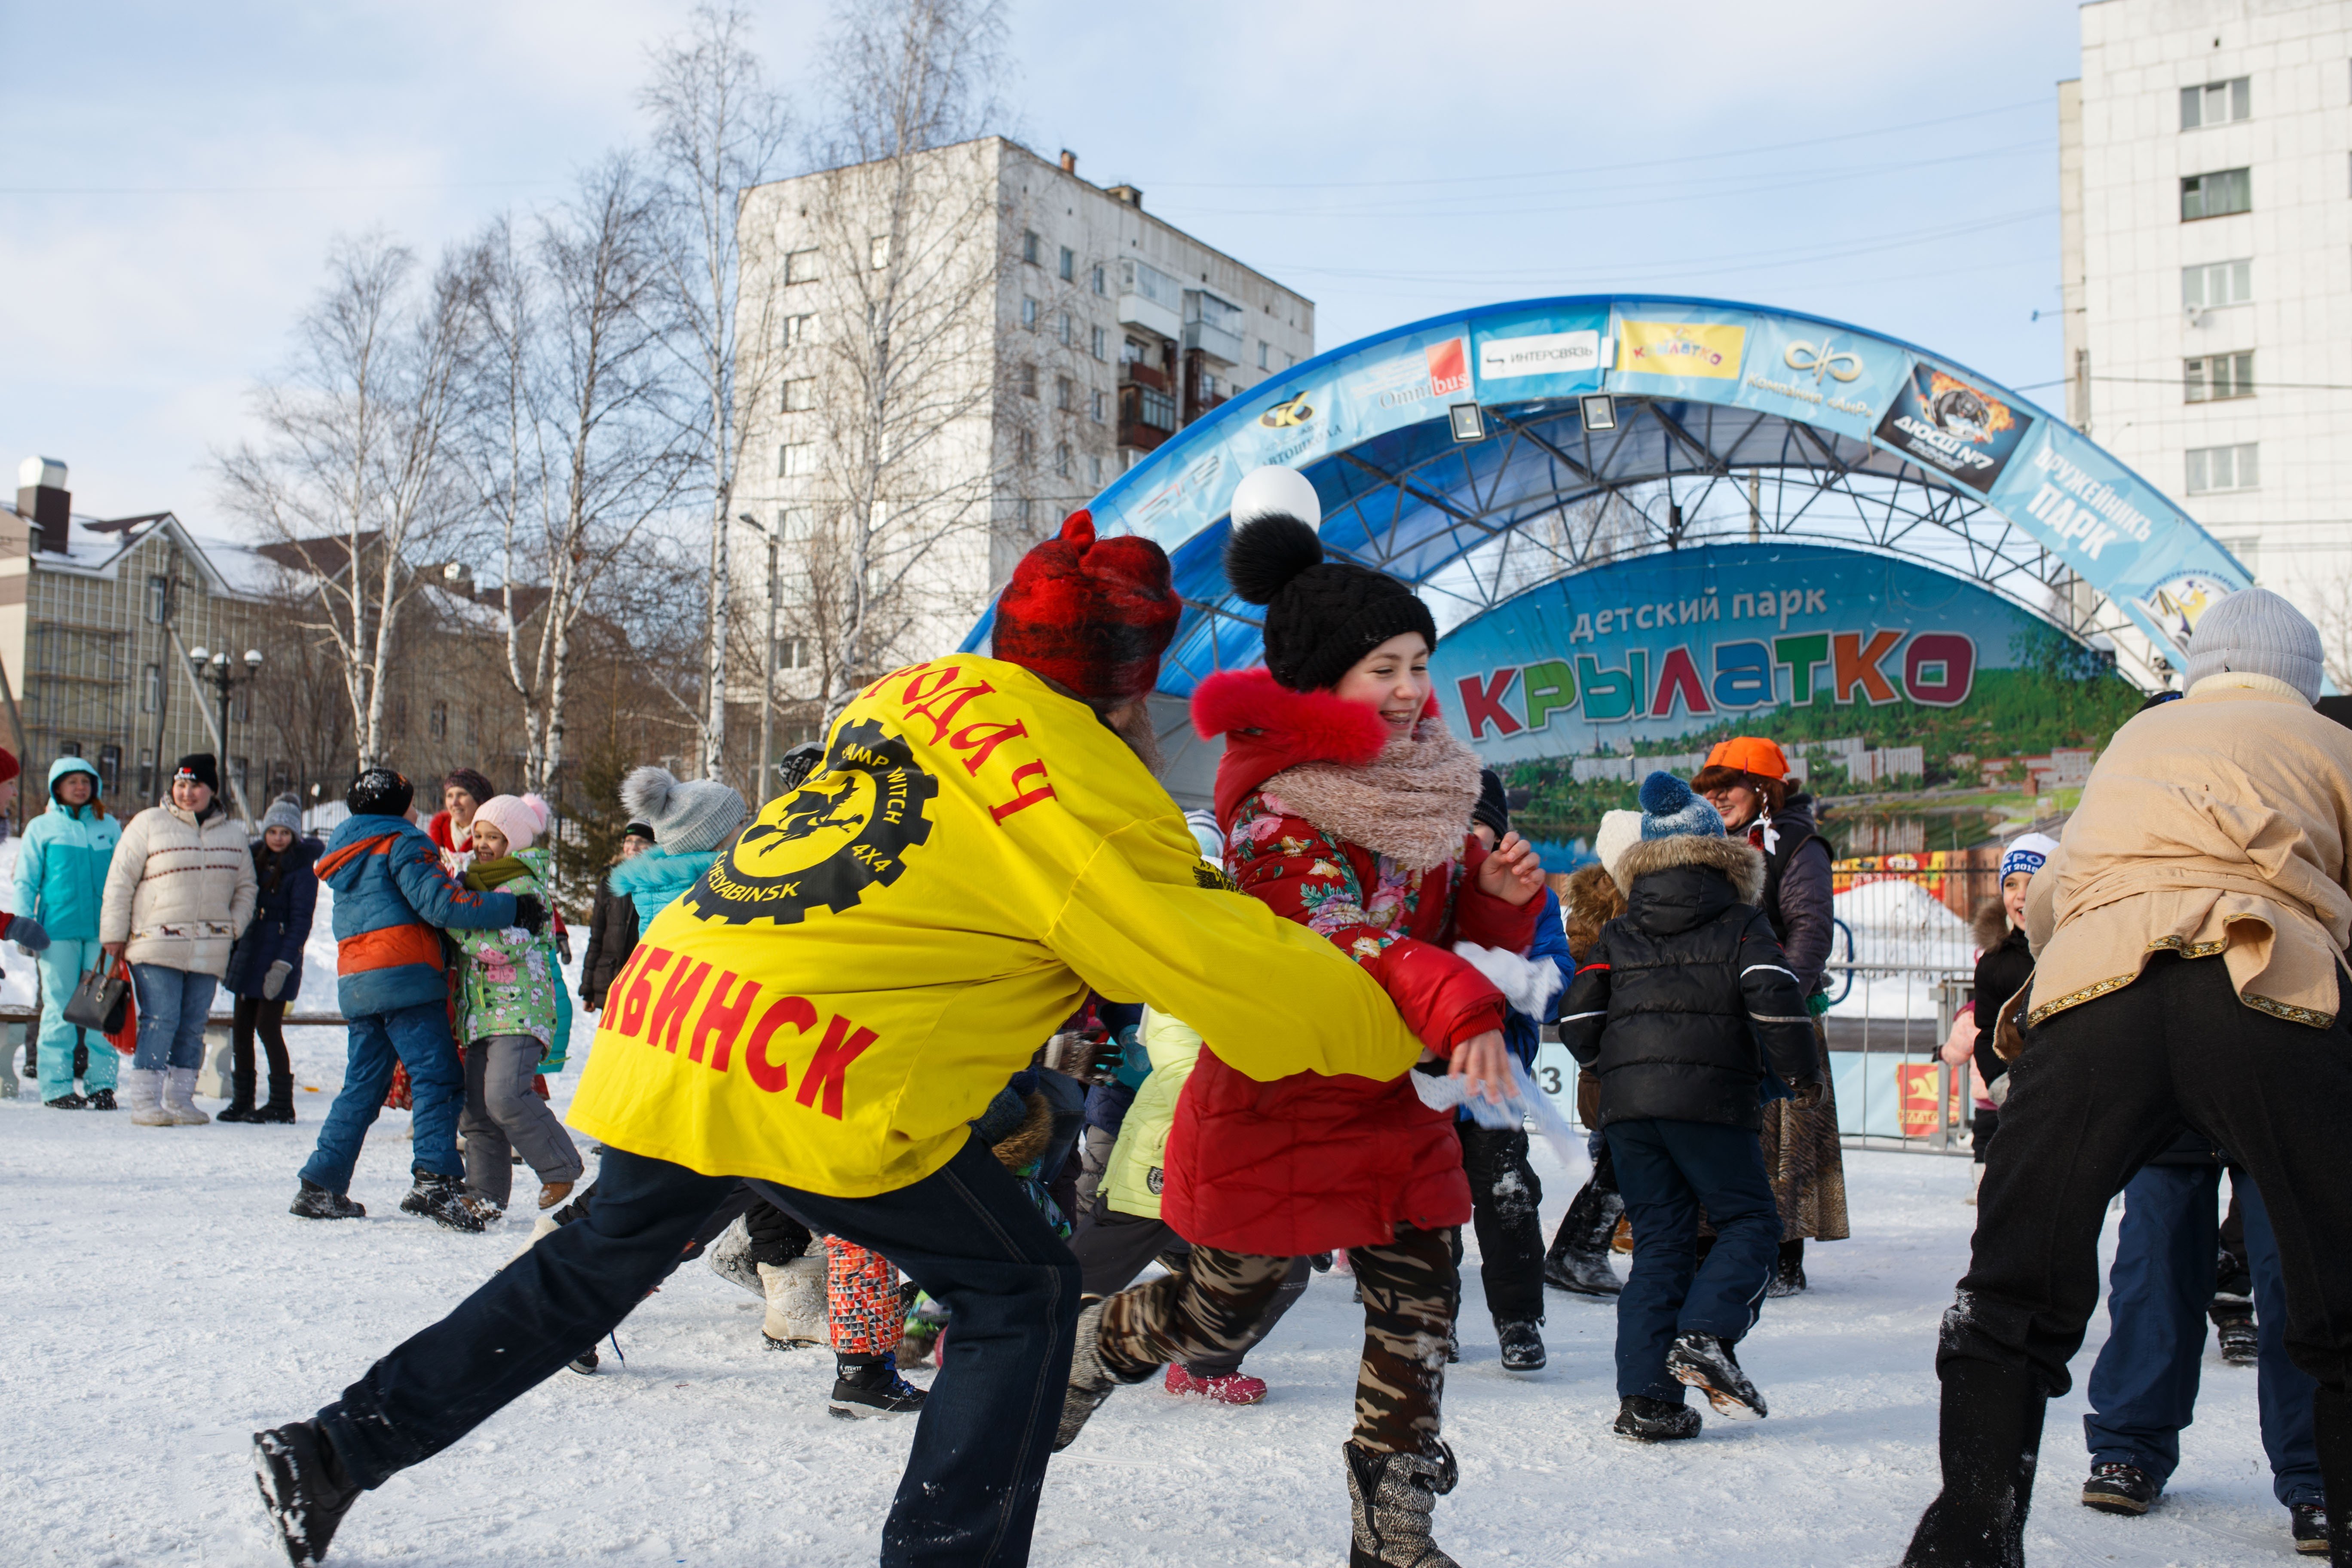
column 1410, row 1292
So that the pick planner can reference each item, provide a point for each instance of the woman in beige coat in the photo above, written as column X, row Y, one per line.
column 179, row 893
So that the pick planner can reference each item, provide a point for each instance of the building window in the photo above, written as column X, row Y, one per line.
column 1030, row 245
column 1066, row 394
column 1145, row 406
column 797, row 330
column 151, row 688
column 1099, row 343
column 1068, row 333
column 159, row 598
column 2215, row 469
column 1094, row 469
column 2216, row 377
column 437, row 722
column 800, row 267
column 2212, row 195
column 1029, row 313
column 238, row 772
column 877, row 252
column 798, row 525
column 1027, row 378
column 146, row 773
column 1025, row 450
column 1264, row 354
column 1130, row 352
column 2216, row 103
column 1021, row 511
column 1102, row 282
column 796, row 460
column 1069, row 265
column 800, row 394
column 109, row 766
column 2215, row 283
column 1101, row 405
column 792, row 653
column 1062, row 459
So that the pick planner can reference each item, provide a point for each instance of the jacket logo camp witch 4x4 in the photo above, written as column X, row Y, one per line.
column 846, row 830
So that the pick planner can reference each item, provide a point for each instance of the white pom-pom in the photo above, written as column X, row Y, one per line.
column 1276, row 490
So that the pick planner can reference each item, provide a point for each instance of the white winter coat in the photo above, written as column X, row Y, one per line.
column 179, row 892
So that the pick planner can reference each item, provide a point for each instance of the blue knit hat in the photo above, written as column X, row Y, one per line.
column 1670, row 810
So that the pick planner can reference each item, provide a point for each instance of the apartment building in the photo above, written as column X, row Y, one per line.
column 2206, row 224
column 1060, row 332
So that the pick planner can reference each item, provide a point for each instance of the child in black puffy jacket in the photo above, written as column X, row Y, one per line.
column 1684, row 1009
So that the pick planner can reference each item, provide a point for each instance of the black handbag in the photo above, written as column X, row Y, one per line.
column 101, row 1001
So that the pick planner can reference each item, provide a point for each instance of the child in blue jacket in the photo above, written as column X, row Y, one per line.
column 393, row 897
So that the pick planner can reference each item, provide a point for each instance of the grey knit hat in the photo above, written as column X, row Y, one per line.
column 688, row 815
column 285, row 812
column 2255, row 632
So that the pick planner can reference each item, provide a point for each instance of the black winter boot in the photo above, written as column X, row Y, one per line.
column 1990, row 1436
column 315, row 1202
column 1579, row 1257
column 445, row 1202
column 870, row 1386
column 1390, row 1498
column 102, row 1100
column 281, row 1102
column 2332, row 1424
column 240, row 1101
column 304, row 1487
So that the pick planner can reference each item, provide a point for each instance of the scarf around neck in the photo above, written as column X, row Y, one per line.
column 1412, row 804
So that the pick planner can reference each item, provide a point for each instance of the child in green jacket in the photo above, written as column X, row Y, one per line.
column 509, row 1012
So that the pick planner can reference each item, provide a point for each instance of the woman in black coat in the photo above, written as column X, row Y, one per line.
column 265, row 967
column 1746, row 779
column 611, row 927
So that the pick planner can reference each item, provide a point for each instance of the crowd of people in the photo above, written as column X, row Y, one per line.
column 971, row 1003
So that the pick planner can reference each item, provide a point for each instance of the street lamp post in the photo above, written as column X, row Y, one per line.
column 213, row 670
column 768, row 688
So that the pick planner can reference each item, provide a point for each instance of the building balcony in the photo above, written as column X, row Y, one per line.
column 1138, row 310
column 1135, row 373
column 1214, row 343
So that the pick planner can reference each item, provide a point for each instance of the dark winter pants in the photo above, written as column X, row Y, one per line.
column 502, row 1114
column 968, row 1233
column 257, row 1015
column 2104, row 1087
column 1667, row 1171
column 2143, row 1387
column 1410, row 1292
column 1112, row 1248
column 418, row 1039
column 1503, row 1195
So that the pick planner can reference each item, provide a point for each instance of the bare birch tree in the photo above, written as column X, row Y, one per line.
column 719, row 129
column 355, row 465
column 903, row 367
column 581, row 445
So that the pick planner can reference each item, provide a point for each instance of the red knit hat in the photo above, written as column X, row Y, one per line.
column 9, row 766
column 1093, row 614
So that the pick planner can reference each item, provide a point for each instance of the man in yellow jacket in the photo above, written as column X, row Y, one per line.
column 830, row 1006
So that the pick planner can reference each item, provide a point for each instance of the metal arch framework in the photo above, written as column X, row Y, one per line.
column 1670, row 460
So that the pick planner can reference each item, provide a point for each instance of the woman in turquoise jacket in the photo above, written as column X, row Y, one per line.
column 60, row 881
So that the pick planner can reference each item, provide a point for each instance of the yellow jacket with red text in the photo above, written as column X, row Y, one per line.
column 859, row 973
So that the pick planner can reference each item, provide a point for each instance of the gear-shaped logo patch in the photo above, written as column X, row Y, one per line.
column 846, row 830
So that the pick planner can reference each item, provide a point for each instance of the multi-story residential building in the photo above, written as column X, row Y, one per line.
column 1058, row 331
column 2206, row 224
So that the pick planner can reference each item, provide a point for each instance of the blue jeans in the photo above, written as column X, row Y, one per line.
column 172, row 1004
column 62, row 964
column 418, row 1038
column 2143, row 1387
column 968, row 1233
column 1666, row 1171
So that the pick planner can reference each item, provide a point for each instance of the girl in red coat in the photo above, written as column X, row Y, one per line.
column 1345, row 805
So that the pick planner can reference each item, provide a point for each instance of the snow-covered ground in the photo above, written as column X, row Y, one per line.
column 159, row 1304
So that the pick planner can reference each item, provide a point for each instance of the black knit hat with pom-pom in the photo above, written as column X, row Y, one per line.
column 1321, row 616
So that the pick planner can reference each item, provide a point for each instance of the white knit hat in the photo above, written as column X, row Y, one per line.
column 519, row 818
column 2255, row 632
column 688, row 815
column 1619, row 831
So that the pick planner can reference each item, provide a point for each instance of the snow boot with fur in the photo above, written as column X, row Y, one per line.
column 796, row 1304
column 180, row 1098
column 143, row 1091
column 304, row 1487
column 1389, row 1498
column 1989, row 1437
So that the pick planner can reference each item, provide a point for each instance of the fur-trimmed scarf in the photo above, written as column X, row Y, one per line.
column 1412, row 804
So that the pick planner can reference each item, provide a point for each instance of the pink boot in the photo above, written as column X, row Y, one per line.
column 1230, row 1389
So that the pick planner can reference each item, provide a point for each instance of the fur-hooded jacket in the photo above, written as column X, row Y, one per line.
column 1363, row 838
column 1683, row 1006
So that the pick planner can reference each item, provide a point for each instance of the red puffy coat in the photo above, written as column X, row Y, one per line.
column 1308, row 1164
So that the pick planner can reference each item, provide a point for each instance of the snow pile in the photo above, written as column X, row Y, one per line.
column 1897, row 922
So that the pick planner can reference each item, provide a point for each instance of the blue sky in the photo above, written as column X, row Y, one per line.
column 172, row 176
